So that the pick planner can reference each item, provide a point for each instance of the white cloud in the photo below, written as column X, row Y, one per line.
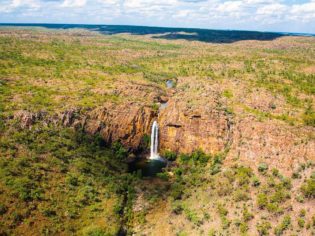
column 304, row 12
column 144, row 4
column 272, row 9
column 182, row 13
column 230, row 6
column 241, row 14
column 110, row 2
column 73, row 3
column 10, row 6
column 258, row 2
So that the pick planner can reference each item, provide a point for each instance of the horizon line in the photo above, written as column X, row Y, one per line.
column 170, row 27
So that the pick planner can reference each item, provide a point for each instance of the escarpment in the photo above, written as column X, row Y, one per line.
column 191, row 116
column 183, row 127
column 125, row 123
column 184, row 130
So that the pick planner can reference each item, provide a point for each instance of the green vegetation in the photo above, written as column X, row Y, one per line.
column 308, row 188
column 64, row 177
column 263, row 167
column 169, row 155
column 263, row 228
column 227, row 94
column 56, row 180
column 279, row 230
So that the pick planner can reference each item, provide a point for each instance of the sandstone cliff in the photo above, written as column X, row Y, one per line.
column 192, row 116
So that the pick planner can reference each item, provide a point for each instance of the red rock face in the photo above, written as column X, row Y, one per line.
column 126, row 123
column 180, row 130
column 184, row 131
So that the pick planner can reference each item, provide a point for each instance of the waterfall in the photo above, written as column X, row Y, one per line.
column 154, row 141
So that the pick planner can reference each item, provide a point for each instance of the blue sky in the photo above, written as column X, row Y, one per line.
column 263, row 15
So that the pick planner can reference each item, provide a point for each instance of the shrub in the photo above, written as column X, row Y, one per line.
column 215, row 169
column 72, row 213
column 241, row 195
column 224, row 187
column 243, row 175
column 216, row 165
column 146, row 141
column 86, row 194
column 155, row 107
column 302, row 212
column 300, row 198
column 286, row 183
column 83, row 167
column 26, row 189
column 280, row 195
column 169, row 155
column 247, row 216
column 72, row 180
column 177, row 208
column 17, row 217
column 212, row 232
column 309, row 116
column 184, row 158
column 243, row 227
column 227, row 94
column 200, row 157
column 3, row 209
column 48, row 212
column 283, row 226
column 178, row 171
column 274, row 207
column 271, row 182
column 206, row 215
column 308, row 188
column 94, row 231
column 263, row 228
column 301, row 222
column 162, row 175
column 275, row 172
column 255, row 181
column 225, row 222
column 262, row 167
column 222, row 210
column 296, row 175
column 192, row 216
column 177, row 191
column 119, row 150
column 181, row 233
column 262, row 200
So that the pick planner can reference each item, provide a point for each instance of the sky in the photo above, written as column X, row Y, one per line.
column 262, row 15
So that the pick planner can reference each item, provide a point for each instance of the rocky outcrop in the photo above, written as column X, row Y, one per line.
column 272, row 142
column 27, row 119
column 127, row 123
column 184, row 130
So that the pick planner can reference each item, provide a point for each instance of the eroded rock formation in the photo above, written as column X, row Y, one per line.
column 183, row 130
column 193, row 116
column 126, row 123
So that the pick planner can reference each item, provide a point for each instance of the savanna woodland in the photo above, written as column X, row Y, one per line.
column 236, row 128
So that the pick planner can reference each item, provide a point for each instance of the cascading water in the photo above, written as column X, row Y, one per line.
column 154, row 142
column 155, row 164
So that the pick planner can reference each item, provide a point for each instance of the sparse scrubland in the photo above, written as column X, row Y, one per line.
column 57, row 179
